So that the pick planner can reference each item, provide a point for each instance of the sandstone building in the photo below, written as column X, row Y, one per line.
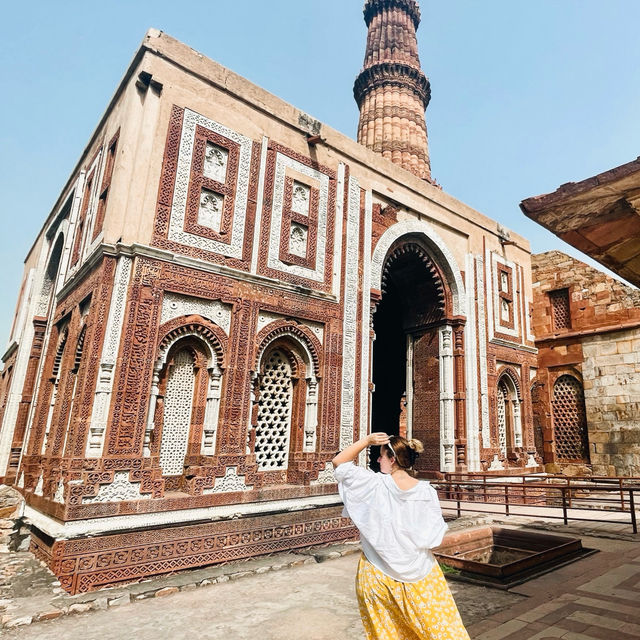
column 228, row 291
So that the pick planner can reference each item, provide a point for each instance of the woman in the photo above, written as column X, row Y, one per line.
column 401, row 591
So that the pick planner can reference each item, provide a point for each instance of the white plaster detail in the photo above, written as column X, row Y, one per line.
column 210, row 211
column 38, row 490
column 230, row 482
column 18, row 327
column 300, row 200
column 349, row 344
column 211, row 414
column 175, row 305
column 273, row 261
column 183, row 174
column 21, row 481
column 95, row 526
column 273, row 426
column 365, row 343
column 326, row 476
column 178, row 406
column 267, row 317
column 215, row 163
column 337, row 254
column 298, row 237
column 104, row 385
column 59, row 494
column 503, row 398
column 447, row 419
column 531, row 461
column 482, row 349
column 496, row 464
column 500, row 309
column 438, row 249
column 119, row 490
column 471, row 370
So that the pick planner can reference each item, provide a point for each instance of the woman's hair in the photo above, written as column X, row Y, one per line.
column 404, row 451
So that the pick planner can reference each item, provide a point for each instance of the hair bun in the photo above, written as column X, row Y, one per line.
column 416, row 445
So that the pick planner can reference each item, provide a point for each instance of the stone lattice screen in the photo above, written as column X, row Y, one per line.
column 560, row 309
column 569, row 420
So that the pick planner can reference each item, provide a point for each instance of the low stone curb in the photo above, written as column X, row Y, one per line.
column 164, row 586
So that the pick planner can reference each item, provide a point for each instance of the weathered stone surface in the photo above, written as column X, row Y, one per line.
column 599, row 348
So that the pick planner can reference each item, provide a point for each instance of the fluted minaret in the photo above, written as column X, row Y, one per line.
column 392, row 92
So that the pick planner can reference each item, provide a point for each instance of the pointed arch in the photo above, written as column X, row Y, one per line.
column 436, row 247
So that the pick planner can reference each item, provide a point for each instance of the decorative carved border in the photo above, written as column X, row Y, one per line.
column 87, row 564
column 173, row 190
column 275, row 243
column 226, row 189
column 281, row 328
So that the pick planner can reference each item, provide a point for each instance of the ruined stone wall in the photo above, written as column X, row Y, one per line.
column 611, row 372
column 587, row 327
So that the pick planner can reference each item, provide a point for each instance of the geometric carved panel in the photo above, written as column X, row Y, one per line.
column 297, row 237
column 177, row 413
column 215, row 166
column 274, row 414
column 570, row 420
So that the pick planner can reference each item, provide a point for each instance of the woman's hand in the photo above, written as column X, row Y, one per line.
column 351, row 452
column 377, row 439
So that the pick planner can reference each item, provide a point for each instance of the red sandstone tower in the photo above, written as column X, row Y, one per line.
column 392, row 92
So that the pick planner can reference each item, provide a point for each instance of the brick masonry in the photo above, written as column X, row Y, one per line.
column 597, row 344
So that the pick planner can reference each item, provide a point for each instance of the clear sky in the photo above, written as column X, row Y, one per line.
column 525, row 95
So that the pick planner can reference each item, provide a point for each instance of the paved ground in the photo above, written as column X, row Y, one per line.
column 311, row 601
column 297, row 596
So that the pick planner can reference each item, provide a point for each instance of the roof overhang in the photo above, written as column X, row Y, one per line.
column 600, row 216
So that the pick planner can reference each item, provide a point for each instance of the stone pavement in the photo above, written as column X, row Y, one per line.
column 299, row 595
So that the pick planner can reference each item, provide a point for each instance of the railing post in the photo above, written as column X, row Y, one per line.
column 569, row 487
column 564, row 504
column 484, row 486
column 632, row 507
column 458, row 500
column 506, row 499
column 621, row 494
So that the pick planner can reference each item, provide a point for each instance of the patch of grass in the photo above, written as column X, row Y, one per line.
column 447, row 569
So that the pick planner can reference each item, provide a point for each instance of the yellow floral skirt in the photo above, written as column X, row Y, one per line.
column 393, row 610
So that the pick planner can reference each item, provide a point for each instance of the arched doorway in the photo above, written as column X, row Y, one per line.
column 406, row 352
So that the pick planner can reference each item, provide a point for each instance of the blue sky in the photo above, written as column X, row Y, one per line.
column 525, row 95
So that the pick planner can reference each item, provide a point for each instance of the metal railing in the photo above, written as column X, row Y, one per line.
column 563, row 497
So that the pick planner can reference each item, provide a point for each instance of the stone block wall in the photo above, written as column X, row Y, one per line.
column 597, row 342
column 611, row 371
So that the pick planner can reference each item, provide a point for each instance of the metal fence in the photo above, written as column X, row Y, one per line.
column 584, row 498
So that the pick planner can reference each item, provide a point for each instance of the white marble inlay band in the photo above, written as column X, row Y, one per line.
column 183, row 174
column 349, row 345
column 175, row 305
column 273, row 262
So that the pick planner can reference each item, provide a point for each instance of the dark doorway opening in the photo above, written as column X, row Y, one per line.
column 405, row 351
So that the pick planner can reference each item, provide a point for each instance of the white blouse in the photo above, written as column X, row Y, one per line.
column 397, row 527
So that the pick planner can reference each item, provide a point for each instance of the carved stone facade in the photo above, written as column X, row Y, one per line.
column 199, row 346
column 587, row 386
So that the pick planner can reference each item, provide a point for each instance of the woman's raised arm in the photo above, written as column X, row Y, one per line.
column 351, row 452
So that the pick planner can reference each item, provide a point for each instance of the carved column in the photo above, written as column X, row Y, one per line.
column 211, row 412
column 447, row 416
column 311, row 415
column 460, row 396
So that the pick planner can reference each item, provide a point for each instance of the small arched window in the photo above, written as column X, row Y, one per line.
column 508, row 413
column 185, row 404
column 570, row 420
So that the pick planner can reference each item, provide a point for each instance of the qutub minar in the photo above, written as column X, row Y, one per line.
column 227, row 292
